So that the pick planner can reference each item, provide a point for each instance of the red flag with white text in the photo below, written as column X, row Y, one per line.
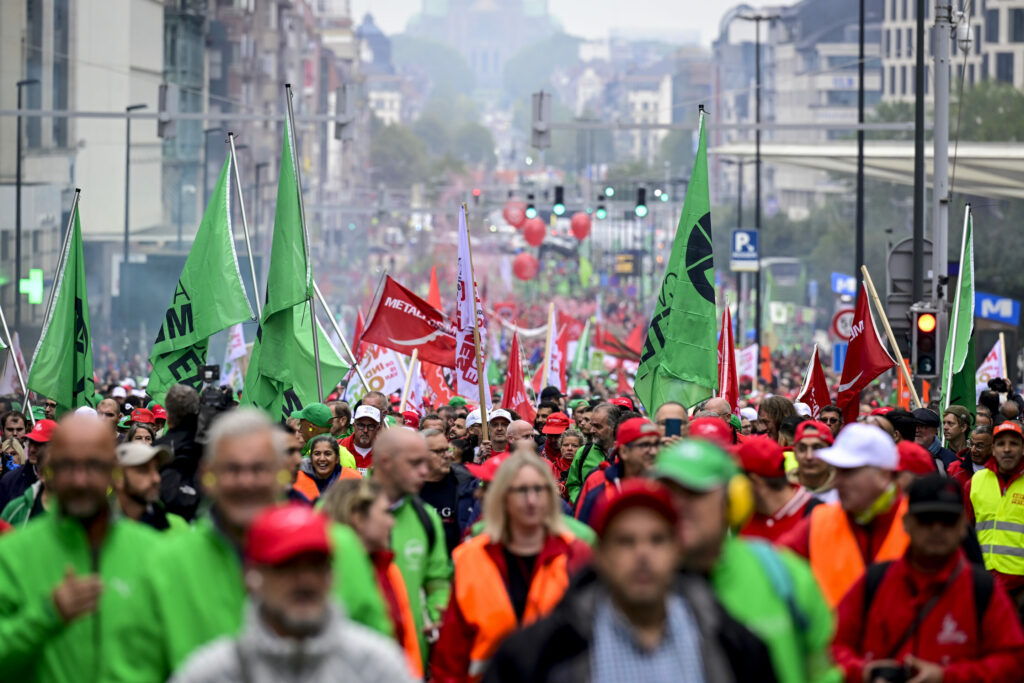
column 814, row 391
column 866, row 359
column 469, row 316
column 728, row 383
column 403, row 321
column 514, row 396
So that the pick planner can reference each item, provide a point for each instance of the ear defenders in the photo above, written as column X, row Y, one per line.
column 739, row 506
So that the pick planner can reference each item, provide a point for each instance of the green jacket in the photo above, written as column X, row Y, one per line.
column 742, row 583
column 35, row 644
column 425, row 570
column 193, row 592
column 582, row 466
column 20, row 510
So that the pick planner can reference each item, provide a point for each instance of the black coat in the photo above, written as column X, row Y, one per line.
column 179, row 490
column 16, row 482
column 557, row 647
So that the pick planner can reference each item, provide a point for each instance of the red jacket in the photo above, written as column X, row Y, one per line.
column 961, row 470
column 870, row 537
column 948, row 635
column 1011, row 582
column 363, row 462
column 771, row 527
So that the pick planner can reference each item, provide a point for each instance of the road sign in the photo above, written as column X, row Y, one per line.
column 838, row 356
column 842, row 324
column 1000, row 309
column 744, row 251
column 844, row 284
column 33, row 286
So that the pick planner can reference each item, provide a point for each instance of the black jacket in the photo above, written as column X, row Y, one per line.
column 16, row 482
column 179, row 490
column 557, row 647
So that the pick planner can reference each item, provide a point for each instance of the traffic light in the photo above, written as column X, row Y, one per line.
column 924, row 346
column 559, row 208
column 540, row 120
column 601, row 212
column 609, row 191
column 531, row 210
column 476, row 196
column 641, row 203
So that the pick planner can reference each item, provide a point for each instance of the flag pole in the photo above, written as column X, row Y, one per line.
column 545, row 376
column 480, row 379
column 408, row 379
column 1002, row 355
column 290, row 124
column 63, row 251
column 344, row 342
column 13, row 358
column 891, row 336
column 245, row 223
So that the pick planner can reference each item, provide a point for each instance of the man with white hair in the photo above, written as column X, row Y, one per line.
column 192, row 589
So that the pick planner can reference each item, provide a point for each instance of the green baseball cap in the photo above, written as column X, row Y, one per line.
column 38, row 412
column 696, row 465
column 456, row 401
column 125, row 423
column 316, row 413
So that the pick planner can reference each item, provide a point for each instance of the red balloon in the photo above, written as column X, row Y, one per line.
column 525, row 266
column 580, row 225
column 514, row 213
column 534, row 231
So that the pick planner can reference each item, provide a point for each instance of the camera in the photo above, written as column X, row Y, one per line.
column 211, row 374
column 891, row 674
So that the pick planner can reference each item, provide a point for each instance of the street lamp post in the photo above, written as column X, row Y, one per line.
column 206, row 164
column 17, row 212
column 757, row 19
column 127, row 173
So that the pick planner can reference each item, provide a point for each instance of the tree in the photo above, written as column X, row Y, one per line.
column 398, row 157
column 474, row 144
column 434, row 134
column 531, row 68
column 989, row 112
column 677, row 150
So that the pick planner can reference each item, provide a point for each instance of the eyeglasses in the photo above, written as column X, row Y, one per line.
column 50, row 404
column 366, row 426
column 830, row 420
column 525, row 491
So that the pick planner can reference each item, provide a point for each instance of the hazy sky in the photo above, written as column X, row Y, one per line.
column 589, row 18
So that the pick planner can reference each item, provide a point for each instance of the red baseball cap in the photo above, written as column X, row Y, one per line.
column 42, row 432
column 143, row 415
column 622, row 402
column 634, row 493
column 635, row 428
column 556, row 423
column 1008, row 426
column 883, row 411
column 486, row 470
column 914, row 458
column 711, row 429
column 761, row 455
column 410, row 418
column 814, row 429
column 282, row 532
column 158, row 412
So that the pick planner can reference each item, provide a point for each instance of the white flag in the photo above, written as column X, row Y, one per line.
column 992, row 368
column 236, row 343
column 746, row 363
column 383, row 371
column 470, row 315
column 9, row 384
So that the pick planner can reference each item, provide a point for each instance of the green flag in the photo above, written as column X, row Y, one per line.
column 282, row 371
column 208, row 298
column 61, row 367
column 680, row 357
column 958, row 369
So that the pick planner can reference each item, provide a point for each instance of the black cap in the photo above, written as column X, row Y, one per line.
column 935, row 493
column 550, row 394
column 927, row 418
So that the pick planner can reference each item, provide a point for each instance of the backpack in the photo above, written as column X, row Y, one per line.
column 428, row 524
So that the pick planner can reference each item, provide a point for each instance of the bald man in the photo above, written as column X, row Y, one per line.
column 401, row 466
column 517, row 431
column 68, row 581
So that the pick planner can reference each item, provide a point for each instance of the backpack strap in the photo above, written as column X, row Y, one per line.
column 873, row 576
column 983, row 585
column 428, row 524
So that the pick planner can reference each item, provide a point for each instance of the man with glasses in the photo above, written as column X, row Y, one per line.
column 68, row 580
column 974, row 458
column 441, row 488
column 50, row 409
column 365, row 425
column 637, row 440
column 833, row 417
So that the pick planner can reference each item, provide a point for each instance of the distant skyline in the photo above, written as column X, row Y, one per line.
column 590, row 19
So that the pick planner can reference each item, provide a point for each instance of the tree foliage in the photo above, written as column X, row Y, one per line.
column 441, row 64
column 531, row 68
column 397, row 155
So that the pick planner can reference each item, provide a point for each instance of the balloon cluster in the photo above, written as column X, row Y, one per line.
column 525, row 265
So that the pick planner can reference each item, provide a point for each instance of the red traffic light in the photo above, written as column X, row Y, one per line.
column 476, row 191
column 926, row 322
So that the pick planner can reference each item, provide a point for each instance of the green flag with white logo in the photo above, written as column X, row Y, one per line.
column 680, row 357
column 282, row 370
column 209, row 297
column 61, row 367
column 958, row 369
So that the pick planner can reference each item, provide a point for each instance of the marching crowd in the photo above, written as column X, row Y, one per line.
column 199, row 541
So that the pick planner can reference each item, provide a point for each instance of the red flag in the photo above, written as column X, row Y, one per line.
column 814, row 391
column 622, row 387
column 552, row 369
column 431, row 372
column 434, row 295
column 728, row 384
column 357, row 340
column 402, row 321
column 613, row 346
column 513, row 396
column 866, row 359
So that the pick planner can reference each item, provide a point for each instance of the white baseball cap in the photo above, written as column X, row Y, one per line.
column 138, row 453
column 748, row 414
column 367, row 411
column 119, row 392
column 802, row 409
column 499, row 413
column 861, row 445
column 473, row 418
column 86, row 410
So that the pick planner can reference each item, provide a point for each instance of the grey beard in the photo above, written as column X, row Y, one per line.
column 297, row 628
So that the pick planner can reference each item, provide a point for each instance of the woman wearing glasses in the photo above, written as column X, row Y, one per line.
column 510, row 575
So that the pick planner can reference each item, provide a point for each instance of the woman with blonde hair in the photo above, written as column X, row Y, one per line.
column 362, row 505
column 510, row 575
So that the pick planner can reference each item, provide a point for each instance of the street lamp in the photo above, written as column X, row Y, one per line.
column 127, row 171
column 17, row 212
column 184, row 189
column 206, row 164
column 757, row 19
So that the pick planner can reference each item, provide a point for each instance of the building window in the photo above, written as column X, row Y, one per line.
column 1004, row 67
column 1017, row 26
column 903, row 80
column 888, row 46
column 992, row 26
column 882, row 79
column 899, row 43
column 984, row 67
column 892, row 13
column 970, row 74
column 977, row 39
column 892, row 80
column 904, row 9
column 910, row 42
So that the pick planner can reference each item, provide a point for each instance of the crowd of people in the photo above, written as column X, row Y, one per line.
column 201, row 541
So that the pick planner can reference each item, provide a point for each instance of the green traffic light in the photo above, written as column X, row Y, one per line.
column 609, row 191
column 601, row 213
column 664, row 196
column 640, row 210
column 531, row 212
column 559, row 209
